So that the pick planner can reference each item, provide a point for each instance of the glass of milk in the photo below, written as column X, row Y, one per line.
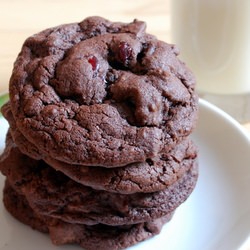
column 214, row 41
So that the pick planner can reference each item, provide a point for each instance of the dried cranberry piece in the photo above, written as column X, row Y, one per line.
column 94, row 62
column 124, row 53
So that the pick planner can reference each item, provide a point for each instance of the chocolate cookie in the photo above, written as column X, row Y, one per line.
column 89, row 237
column 18, row 206
column 53, row 194
column 153, row 175
column 98, row 93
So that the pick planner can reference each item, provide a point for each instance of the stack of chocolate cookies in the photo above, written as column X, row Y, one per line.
column 98, row 150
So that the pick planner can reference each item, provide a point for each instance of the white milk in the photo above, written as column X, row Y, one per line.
column 214, row 40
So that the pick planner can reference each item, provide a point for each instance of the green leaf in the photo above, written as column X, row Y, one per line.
column 3, row 99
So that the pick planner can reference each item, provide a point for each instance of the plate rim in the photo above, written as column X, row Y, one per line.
column 226, row 116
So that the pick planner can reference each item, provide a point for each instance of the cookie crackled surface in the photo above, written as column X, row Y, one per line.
column 98, row 93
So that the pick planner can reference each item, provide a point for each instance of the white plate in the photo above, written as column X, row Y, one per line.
column 217, row 214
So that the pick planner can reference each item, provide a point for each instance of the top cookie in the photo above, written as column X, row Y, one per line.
column 101, row 93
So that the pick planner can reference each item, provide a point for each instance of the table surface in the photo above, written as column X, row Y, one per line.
column 20, row 19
